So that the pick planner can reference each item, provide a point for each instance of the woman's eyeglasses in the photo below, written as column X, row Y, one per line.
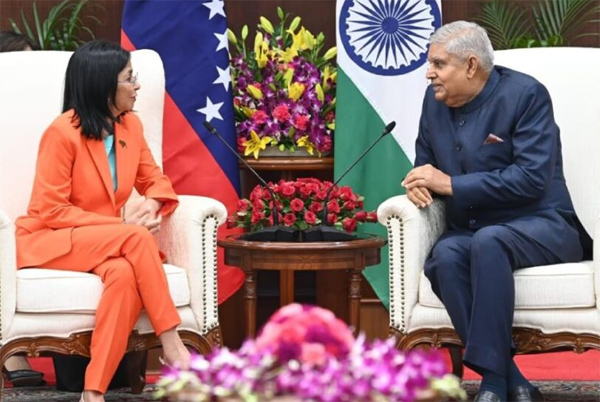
column 131, row 80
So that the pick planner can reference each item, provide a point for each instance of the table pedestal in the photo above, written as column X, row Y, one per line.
column 352, row 256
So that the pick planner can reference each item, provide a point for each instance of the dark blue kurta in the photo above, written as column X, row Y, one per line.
column 507, row 182
column 510, row 206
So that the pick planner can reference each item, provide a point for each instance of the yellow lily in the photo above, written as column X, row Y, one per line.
column 231, row 36
column 326, row 76
column 306, row 143
column 247, row 111
column 266, row 24
column 261, row 50
column 255, row 92
column 320, row 93
column 255, row 144
column 309, row 39
column 303, row 40
column 294, row 25
column 287, row 77
column 330, row 54
column 296, row 90
column 288, row 55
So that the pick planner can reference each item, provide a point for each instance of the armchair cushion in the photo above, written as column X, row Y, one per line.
column 79, row 292
column 537, row 287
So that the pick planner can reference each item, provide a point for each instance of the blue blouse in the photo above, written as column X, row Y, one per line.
column 109, row 145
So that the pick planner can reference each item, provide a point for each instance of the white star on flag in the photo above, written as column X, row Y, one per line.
column 211, row 110
column 215, row 7
column 222, row 41
column 224, row 77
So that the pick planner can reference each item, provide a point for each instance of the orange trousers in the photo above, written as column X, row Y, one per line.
column 126, row 257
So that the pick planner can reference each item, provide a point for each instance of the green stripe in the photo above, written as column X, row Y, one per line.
column 377, row 177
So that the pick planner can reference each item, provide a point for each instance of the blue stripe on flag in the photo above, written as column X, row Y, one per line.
column 190, row 37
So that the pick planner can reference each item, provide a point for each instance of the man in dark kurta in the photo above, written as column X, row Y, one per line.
column 489, row 147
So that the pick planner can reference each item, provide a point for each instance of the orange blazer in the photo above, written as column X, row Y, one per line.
column 73, row 186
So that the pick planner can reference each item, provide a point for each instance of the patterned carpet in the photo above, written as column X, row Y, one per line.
column 554, row 391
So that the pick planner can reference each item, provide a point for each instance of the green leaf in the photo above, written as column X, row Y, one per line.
column 504, row 22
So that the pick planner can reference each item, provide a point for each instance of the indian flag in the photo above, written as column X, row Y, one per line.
column 382, row 54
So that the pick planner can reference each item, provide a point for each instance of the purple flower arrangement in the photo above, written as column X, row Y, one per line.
column 284, row 88
column 307, row 353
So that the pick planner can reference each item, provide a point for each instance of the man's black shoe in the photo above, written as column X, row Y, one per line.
column 24, row 378
column 523, row 393
column 487, row 396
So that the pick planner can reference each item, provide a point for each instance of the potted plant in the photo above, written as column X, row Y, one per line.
column 284, row 89
column 541, row 24
column 61, row 28
column 300, row 204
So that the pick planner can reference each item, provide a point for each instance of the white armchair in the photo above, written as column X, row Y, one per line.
column 44, row 310
column 558, row 306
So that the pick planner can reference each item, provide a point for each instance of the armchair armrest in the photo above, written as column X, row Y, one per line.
column 411, row 234
column 596, row 259
column 189, row 238
column 8, row 273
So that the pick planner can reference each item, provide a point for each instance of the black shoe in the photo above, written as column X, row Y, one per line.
column 523, row 393
column 24, row 378
column 487, row 396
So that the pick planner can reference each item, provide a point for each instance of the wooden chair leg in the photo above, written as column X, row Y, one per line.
column 136, row 371
column 456, row 357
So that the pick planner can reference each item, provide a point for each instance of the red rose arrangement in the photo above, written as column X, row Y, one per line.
column 300, row 204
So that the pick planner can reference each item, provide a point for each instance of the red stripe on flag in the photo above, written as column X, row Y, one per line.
column 193, row 171
column 125, row 42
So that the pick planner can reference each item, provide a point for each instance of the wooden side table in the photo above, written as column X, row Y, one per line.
column 352, row 256
column 287, row 168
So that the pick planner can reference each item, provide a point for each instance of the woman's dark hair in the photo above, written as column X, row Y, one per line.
column 91, row 84
column 15, row 42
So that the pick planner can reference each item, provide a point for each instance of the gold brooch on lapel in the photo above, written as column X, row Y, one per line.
column 123, row 143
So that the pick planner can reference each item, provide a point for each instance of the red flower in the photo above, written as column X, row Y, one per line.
column 279, row 218
column 258, row 204
column 301, row 121
column 372, row 216
column 310, row 217
column 333, row 206
column 305, row 191
column 289, row 219
column 281, row 113
column 326, row 144
column 361, row 216
column 243, row 205
column 321, row 195
column 231, row 222
column 259, row 117
column 349, row 205
column 257, row 216
column 332, row 218
column 316, row 207
column 297, row 205
column 303, row 200
column 349, row 224
column 287, row 190
column 347, row 194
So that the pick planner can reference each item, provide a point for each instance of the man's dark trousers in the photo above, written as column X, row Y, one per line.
column 472, row 273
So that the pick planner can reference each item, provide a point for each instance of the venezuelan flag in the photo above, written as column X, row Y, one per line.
column 191, row 38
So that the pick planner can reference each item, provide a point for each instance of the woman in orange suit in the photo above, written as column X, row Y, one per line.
column 89, row 160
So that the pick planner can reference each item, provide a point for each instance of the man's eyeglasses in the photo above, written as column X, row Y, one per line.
column 131, row 80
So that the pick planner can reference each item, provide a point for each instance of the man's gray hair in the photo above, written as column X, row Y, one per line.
column 463, row 39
